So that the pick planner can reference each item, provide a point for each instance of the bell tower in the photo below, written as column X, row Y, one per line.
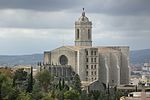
column 83, row 31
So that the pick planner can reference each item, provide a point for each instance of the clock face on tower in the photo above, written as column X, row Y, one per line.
column 63, row 60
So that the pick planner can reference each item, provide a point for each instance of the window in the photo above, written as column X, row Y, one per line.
column 77, row 33
column 95, row 72
column 86, row 79
column 94, row 66
column 87, row 73
column 86, row 52
column 94, row 59
column 63, row 60
column 94, row 52
column 87, row 67
column 87, row 60
column 91, row 52
column 91, row 72
column 91, row 66
column 91, row 59
column 89, row 34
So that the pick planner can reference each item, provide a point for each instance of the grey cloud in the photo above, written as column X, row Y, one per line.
column 128, row 19
column 41, row 5
column 33, row 19
column 112, row 7
column 121, row 7
column 127, row 23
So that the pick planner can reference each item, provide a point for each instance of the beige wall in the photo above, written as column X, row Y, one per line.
column 70, row 54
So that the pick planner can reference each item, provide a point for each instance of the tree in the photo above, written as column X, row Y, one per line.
column 11, row 93
column 2, row 80
column 6, row 71
column 84, row 96
column 47, row 96
column 37, row 94
column 20, row 79
column 20, row 75
column 62, row 86
column 95, row 94
column 45, row 79
column 119, row 94
column 24, row 96
column 76, row 84
column 30, row 81
column 59, row 85
column 7, row 92
column 71, row 95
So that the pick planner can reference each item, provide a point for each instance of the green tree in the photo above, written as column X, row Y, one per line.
column 2, row 80
column 11, row 93
column 62, row 86
column 8, row 92
column 30, row 81
column 45, row 79
column 6, row 71
column 20, row 75
column 95, row 94
column 84, row 96
column 71, row 95
column 20, row 79
column 37, row 94
column 119, row 94
column 24, row 96
column 76, row 84
column 47, row 96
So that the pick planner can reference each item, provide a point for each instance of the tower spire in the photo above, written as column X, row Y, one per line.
column 83, row 31
column 83, row 13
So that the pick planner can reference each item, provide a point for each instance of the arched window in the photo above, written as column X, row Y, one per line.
column 63, row 60
column 89, row 34
column 77, row 33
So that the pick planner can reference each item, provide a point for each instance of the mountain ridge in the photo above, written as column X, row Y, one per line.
column 140, row 56
column 10, row 60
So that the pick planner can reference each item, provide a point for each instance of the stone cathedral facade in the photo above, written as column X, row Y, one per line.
column 109, row 65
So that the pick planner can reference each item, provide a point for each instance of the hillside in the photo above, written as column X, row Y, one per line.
column 140, row 56
column 6, row 60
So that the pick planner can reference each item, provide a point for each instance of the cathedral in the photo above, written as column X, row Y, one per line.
column 109, row 65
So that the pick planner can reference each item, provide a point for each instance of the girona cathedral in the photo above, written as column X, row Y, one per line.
column 93, row 64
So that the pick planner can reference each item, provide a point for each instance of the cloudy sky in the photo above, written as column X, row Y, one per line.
column 35, row 26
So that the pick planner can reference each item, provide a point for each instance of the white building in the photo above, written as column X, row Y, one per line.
column 146, row 67
column 108, row 64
